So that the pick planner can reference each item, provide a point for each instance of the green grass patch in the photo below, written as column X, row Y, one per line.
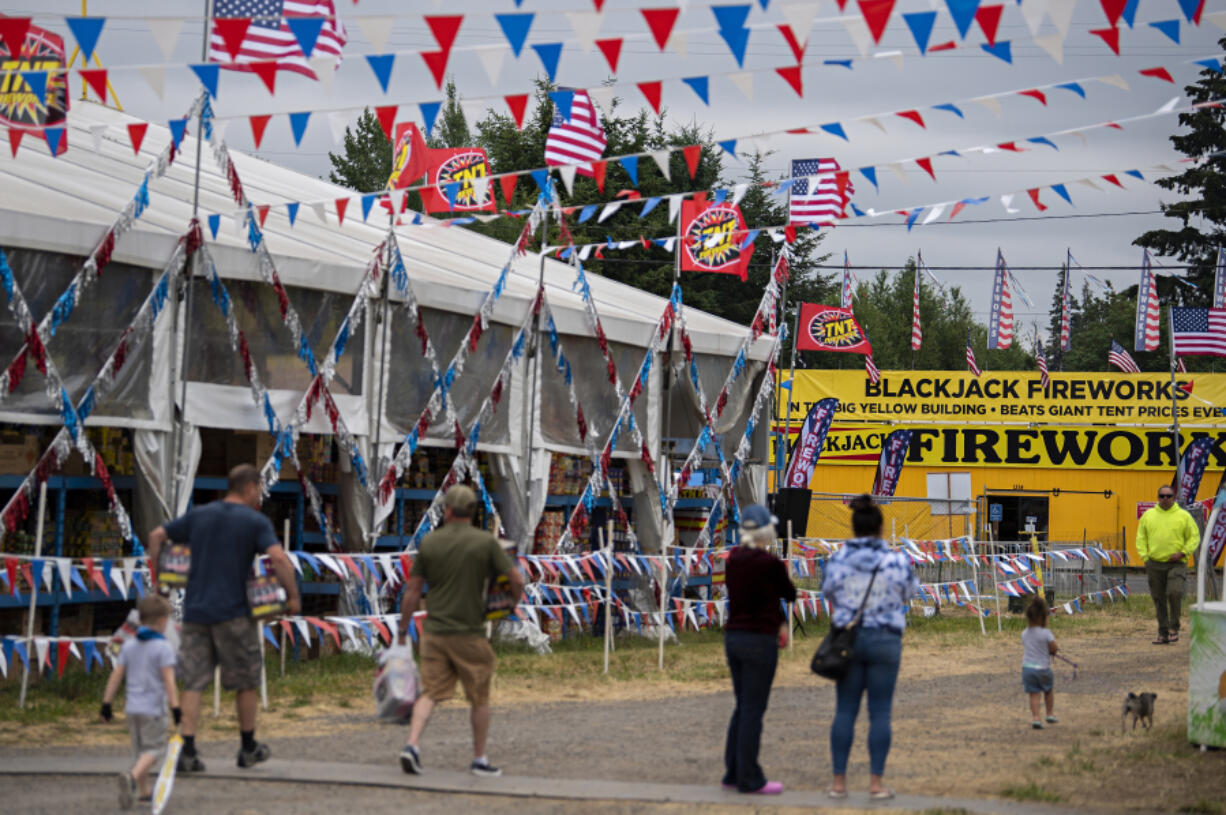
column 1031, row 792
column 1204, row 807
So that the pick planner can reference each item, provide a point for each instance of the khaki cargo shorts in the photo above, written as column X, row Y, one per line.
column 469, row 658
column 148, row 733
column 233, row 644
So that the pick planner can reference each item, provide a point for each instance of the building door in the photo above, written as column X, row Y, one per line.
column 1012, row 516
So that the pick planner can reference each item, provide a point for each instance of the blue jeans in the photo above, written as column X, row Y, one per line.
column 751, row 659
column 874, row 668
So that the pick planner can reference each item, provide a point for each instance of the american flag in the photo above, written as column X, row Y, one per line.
column 1000, row 321
column 917, row 334
column 815, row 194
column 848, row 289
column 1147, row 336
column 580, row 139
column 1066, row 329
column 970, row 358
column 874, row 375
column 1199, row 331
column 269, row 38
column 1044, row 378
column 1120, row 358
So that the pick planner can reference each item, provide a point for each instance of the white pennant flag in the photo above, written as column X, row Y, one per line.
column 1032, row 13
column 320, row 213
column 607, row 212
column 585, row 252
column 165, row 31
column 989, row 102
column 1060, row 12
column 117, row 576
column 661, row 158
column 601, row 96
column 936, row 212
column 64, row 566
column 678, row 42
column 41, row 646
column 48, row 575
column 1169, row 106
column 481, row 186
column 1090, row 183
column 491, row 57
column 4, row 665
column 744, row 83
column 800, row 17
column 894, row 55
column 669, row 243
column 1218, row 18
column 857, row 29
column 1115, row 80
column 376, row 29
column 674, row 206
column 324, row 67
column 898, row 171
column 155, row 75
column 130, row 572
column 1006, row 201
column 303, row 628
column 338, row 121
column 95, row 132
column 220, row 126
column 738, row 192
column 875, row 122
column 1084, row 141
column 1053, row 44
column 586, row 25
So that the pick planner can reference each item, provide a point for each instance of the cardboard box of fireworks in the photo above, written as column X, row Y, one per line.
column 18, row 453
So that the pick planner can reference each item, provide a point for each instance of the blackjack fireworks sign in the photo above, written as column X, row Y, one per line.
column 712, row 238
column 20, row 105
column 828, row 328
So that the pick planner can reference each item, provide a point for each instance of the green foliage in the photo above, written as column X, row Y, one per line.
column 365, row 160
column 1030, row 792
column 1202, row 217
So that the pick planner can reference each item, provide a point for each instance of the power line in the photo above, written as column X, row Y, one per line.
column 1072, row 216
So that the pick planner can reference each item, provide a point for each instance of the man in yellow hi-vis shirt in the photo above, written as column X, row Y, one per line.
column 1166, row 538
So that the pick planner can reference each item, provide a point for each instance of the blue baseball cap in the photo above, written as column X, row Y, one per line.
column 756, row 516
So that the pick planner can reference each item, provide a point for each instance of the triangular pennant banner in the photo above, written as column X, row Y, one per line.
column 701, row 86
column 876, row 16
column 661, row 22
column 612, row 50
column 208, row 75
column 963, row 13
column 306, row 32
column 381, row 66
column 549, row 53
column 86, row 31
column 515, row 28
column 920, row 23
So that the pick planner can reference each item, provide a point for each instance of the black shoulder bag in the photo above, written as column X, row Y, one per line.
column 834, row 654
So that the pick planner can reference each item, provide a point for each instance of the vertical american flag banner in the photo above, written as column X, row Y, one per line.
column 1219, row 279
column 1217, row 535
column 1044, row 375
column 870, row 368
column 889, row 466
column 848, row 291
column 1191, row 469
column 578, row 140
column 1000, row 321
column 1120, row 358
column 269, row 38
column 1066, row 318
column 819, row 193
column 971, row 364
column 917, row 333
column 809, row 443
column 1146, row 334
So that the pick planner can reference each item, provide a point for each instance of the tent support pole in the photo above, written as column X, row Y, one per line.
column 536, row 370
column 381, row 372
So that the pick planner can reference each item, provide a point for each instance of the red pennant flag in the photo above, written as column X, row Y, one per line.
column 948, row 45
column 445, row 28
column 1113, row 9
column 612, row 50
column 10, row 563
column 958, row 207
column 661, row 22
column 791, row 75
column 518, row 103
column 599, row 4
column 798, row 49
column 651, row 91
column 1011, row 146
column 62, row 649
column 1158, row 73
column 436, row 61
column 387, row 119
column 1035, row 93
column 789, row 234
column 598, row 171
column 988, row 18
column 876, row 15
column 258, row 124
column 692, row 153
column 341, row 205
column 926, row 165
column 1111, row 36
column 507, row 183
column 1034, row 196
column 261, row 212
column 1111, row 177
column 913, row 115
column 13, row 32
column 136, row 133
column 15, row 135
column 96, row 79
column 232, row 30
column 267, row 71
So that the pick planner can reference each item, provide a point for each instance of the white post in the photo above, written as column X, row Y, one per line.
column 983, row 629
column 285, row 537
column 31, row 651
column 1206, row 566
column 263, row 674
column 663, row 597
column 606, row 544
column 893, row 531
column 217, row 692
column 791, row 605
column 992, row 573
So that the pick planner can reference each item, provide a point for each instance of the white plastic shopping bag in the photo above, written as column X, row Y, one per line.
column 396, row 684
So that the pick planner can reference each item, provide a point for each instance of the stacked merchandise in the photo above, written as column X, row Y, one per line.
column 115, row 447
column 317, row 455
column 548, row 531
column 689, row 521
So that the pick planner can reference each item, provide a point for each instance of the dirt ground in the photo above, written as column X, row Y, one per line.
column 961, row 726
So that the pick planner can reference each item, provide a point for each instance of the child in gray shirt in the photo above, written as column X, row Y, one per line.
column 148, row 663
column 1038, row 644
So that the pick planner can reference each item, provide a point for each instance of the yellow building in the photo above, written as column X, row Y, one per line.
column 1079, row 459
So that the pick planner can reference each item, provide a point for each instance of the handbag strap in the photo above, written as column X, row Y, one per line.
column 860, row 612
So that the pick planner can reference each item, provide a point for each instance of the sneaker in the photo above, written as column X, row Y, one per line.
column 250, row 758
column 1174, row 637
column 1162, row 640
column 769, row 788
column 483, row 768
column 410, row 760
column 1036, row 724
column 1051, row 720
column 127, row 790
column 190, row 764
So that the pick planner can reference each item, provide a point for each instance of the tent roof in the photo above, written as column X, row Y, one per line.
column 64, row 204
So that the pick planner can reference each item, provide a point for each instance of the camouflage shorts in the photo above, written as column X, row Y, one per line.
column 233, row 644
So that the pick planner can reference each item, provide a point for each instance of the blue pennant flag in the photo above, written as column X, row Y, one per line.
column 587, row 212
column 871, row 174
column 381, row 64
column 53, row 136
column 912, row 216
column 720, row 197
column 550, row 53
column 1075, row 87
column 1043, row 140
column 452, row 191
column 298, row 123
column 1062, row 191
column 208, row 74
column 63, row 307
column 952, row 108
column 515, row 29
column 920, row 23
column 1135, row 174
column 1130, row 12
column 631, row 165
column 845, row 63
column 214, row 221
column 1211, row 63
column 729, row 147
column 963, row 12
column 368, row 201
column 1188, row 7
column 858, row 212
column 306, row 32
column 342, row 339
column 1001, row 50
column 835, row 129
column 737, row 39
column 291, row 209
column 563, row 101
column 750, row 238
column 651, row 204
column 701, row 86
column 88, row 402
column 429, row 113
column 87, row 30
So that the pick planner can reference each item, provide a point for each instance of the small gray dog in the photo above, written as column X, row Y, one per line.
column 1141, row 707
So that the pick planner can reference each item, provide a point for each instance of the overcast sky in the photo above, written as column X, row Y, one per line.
column 831, row 94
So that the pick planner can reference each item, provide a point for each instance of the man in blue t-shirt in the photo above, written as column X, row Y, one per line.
column 224, row 537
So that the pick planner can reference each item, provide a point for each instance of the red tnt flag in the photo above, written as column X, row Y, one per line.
column 829, row 328
column 452, row 177
column 712, row 236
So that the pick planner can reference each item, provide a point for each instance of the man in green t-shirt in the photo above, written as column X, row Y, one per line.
column 457, row 561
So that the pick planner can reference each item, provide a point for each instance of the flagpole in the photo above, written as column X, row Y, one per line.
column 664, row 468
column 780, row 447
column 787, row 422
column 1174, row 390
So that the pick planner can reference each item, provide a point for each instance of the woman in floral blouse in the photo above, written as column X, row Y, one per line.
column 874, row 667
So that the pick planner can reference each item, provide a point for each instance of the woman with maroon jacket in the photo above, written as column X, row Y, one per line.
column 757, row 582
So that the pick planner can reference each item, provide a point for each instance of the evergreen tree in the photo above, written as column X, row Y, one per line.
column 1203, row 215
column 365, row 160
column 451, row 128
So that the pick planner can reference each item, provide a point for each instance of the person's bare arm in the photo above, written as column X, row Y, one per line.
column 1052, row 648
column 283, row 568
column 517, row 583
column 154, row 547
column 112, row 687
column 410, row 602
column 172, row 693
